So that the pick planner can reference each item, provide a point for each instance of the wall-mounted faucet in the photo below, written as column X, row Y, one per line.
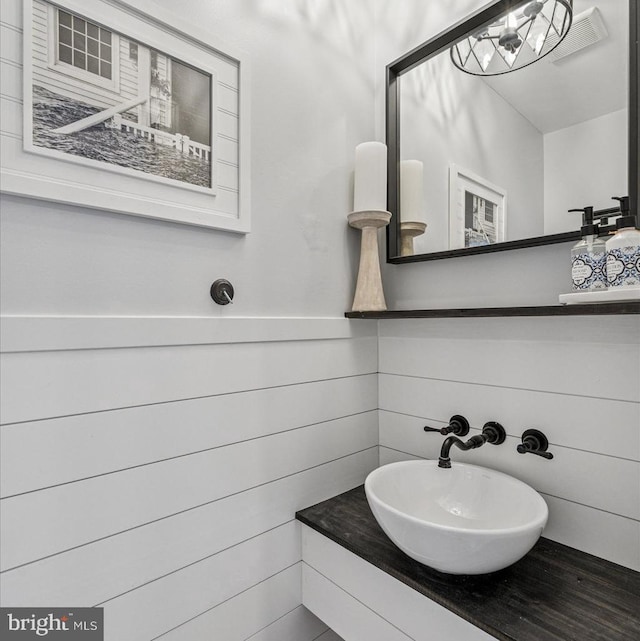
column 534, row 442
column 492, row 432
column 458, row 425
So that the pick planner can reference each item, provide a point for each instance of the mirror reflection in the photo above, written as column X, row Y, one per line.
column 485, row 160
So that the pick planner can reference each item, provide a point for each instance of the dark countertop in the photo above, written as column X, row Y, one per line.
column 555, row 593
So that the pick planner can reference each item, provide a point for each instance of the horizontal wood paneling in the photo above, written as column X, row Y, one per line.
column 109, row 441
column 169, row 473
column 249, row 610
column 619, row 329
column 592, row 424
column 387, row 455
column 93, row 573
column 159, row 606
column 45, row 333
column 297, row 625
column 116, row 502
column 614, row 370
column 239, row 617
column 615, row 487
column 74, row 382
column 591, row 362
column 597, row 532
column 329, row 635
column 575, row 379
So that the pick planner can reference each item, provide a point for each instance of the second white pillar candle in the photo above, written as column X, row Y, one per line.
column 411, row 191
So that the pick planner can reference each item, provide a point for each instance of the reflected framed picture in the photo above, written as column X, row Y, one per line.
column 477, row 210
column 125, row 112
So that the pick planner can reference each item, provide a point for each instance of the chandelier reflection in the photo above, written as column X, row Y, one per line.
column 524, row 35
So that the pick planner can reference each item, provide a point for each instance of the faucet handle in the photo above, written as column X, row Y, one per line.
column 494, row 433
column 459, row 425
column 534, row 442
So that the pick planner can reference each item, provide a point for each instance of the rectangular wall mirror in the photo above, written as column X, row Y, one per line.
column 481, row 163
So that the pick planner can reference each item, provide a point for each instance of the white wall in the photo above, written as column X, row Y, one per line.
column 311, row 103
column 155, row 468
column 165, row 442
column 598, row 149
column 402, row 26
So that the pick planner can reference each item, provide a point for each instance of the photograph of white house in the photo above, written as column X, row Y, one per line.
column 100, row 95
column 480, row 220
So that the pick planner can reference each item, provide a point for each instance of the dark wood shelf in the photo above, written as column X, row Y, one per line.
column 554, row 593
column 590, row 309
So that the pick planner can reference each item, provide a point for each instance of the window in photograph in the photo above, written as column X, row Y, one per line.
column 84, row 45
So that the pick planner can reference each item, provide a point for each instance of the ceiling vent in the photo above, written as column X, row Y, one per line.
column 587, row 28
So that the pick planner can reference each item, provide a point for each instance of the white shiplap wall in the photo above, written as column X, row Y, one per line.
column 575, row 379
column 155, row 468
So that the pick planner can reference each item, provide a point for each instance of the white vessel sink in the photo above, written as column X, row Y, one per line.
column 462, row 520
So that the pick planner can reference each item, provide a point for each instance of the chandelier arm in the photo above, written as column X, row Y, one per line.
column 526, row 22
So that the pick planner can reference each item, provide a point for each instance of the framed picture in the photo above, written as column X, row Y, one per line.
column 123, row 111
column 477, row 210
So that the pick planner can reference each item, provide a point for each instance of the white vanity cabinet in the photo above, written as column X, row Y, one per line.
column 363, row 603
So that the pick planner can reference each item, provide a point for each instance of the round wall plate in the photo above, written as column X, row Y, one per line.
column 222, row 291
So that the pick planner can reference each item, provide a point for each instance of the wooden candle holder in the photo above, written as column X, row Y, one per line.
column 408, row 231
column 369, row 296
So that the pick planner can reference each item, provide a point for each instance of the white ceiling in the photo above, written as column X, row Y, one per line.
column 584, row 85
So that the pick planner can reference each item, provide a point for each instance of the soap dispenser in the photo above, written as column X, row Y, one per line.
column 588, row 256
column 623, row 250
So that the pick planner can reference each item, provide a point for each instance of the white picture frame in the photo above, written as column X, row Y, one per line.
column 477, row 210
column 189, row 181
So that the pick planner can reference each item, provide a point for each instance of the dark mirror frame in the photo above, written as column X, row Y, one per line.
column 444, row 41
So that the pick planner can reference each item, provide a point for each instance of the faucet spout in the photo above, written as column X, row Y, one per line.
column 475, row 441
column 492, row 432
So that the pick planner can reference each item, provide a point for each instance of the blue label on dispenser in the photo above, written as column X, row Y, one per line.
column 588, row 271
column 623, row 267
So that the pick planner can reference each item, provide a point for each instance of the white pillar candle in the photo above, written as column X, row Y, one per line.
column 411, row 191
column 370, row 181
